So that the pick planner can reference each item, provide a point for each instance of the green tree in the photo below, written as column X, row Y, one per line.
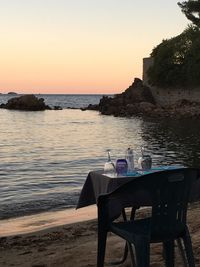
column 191, row 9
column 177, row 61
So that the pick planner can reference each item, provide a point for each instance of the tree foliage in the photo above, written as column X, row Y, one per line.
column 191, row 9
column 177, row 61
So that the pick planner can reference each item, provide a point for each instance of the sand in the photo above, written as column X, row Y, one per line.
column 75, row 244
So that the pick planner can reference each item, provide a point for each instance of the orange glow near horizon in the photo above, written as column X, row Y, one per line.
column 74, row 47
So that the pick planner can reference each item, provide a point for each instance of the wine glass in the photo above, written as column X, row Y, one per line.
column 109, row 166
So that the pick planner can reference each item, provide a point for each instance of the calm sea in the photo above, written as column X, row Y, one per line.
column 45, row 156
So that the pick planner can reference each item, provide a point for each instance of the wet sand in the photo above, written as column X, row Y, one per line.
column 75, row 244
column 38, row 222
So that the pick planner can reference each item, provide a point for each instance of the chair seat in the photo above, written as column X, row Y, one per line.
column 132, row 230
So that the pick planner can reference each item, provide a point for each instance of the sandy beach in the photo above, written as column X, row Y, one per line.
column 75, row 244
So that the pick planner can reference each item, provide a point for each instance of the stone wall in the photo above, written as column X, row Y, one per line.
column 168, row 96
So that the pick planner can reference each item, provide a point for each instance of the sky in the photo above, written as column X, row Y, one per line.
column 80, row 46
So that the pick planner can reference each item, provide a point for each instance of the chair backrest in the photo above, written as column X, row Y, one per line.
column 166, row 191
column 170, row 199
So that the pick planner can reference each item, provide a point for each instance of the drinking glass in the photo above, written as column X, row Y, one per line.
column 109, row 167
column 145, row 161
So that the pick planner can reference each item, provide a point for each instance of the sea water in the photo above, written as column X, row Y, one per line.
column 45, row 156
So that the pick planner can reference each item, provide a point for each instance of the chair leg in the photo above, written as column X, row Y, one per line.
column 182, row 252
column 102, row 236
column 123, row 258
column 128, row 247
column 169, row 253
column 142, row 249
column 133, row 261
column 188, row 249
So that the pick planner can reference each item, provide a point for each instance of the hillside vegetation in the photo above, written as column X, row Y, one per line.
column 177, row 60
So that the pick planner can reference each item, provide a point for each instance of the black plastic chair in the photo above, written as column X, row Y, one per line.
column 167, row 192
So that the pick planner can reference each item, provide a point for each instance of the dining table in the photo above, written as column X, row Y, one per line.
column 98, row 183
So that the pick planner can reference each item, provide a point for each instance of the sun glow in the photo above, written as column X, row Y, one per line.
column 76, row 47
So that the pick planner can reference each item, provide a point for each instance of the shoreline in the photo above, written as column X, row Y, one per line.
column 75, row 244
column 45, row 221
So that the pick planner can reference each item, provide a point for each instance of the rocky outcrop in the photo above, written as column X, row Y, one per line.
column 91, row 107
column 26, row 102
column 137, row 100
column 137, row 93
column 57, row 108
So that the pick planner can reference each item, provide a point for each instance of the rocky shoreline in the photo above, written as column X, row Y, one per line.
column 137, row 100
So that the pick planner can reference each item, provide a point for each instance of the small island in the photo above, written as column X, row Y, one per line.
column 12, row 93
column 26, row 102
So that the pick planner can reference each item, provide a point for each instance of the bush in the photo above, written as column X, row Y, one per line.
column 177, row 61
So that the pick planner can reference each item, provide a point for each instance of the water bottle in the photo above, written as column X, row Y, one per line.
column 130, row 160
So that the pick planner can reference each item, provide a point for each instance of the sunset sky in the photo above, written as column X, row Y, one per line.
column 80, row 46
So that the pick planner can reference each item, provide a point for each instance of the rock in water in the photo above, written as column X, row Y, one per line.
column 26, row 102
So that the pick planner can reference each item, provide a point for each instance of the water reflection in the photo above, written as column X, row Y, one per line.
column 173, row 141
